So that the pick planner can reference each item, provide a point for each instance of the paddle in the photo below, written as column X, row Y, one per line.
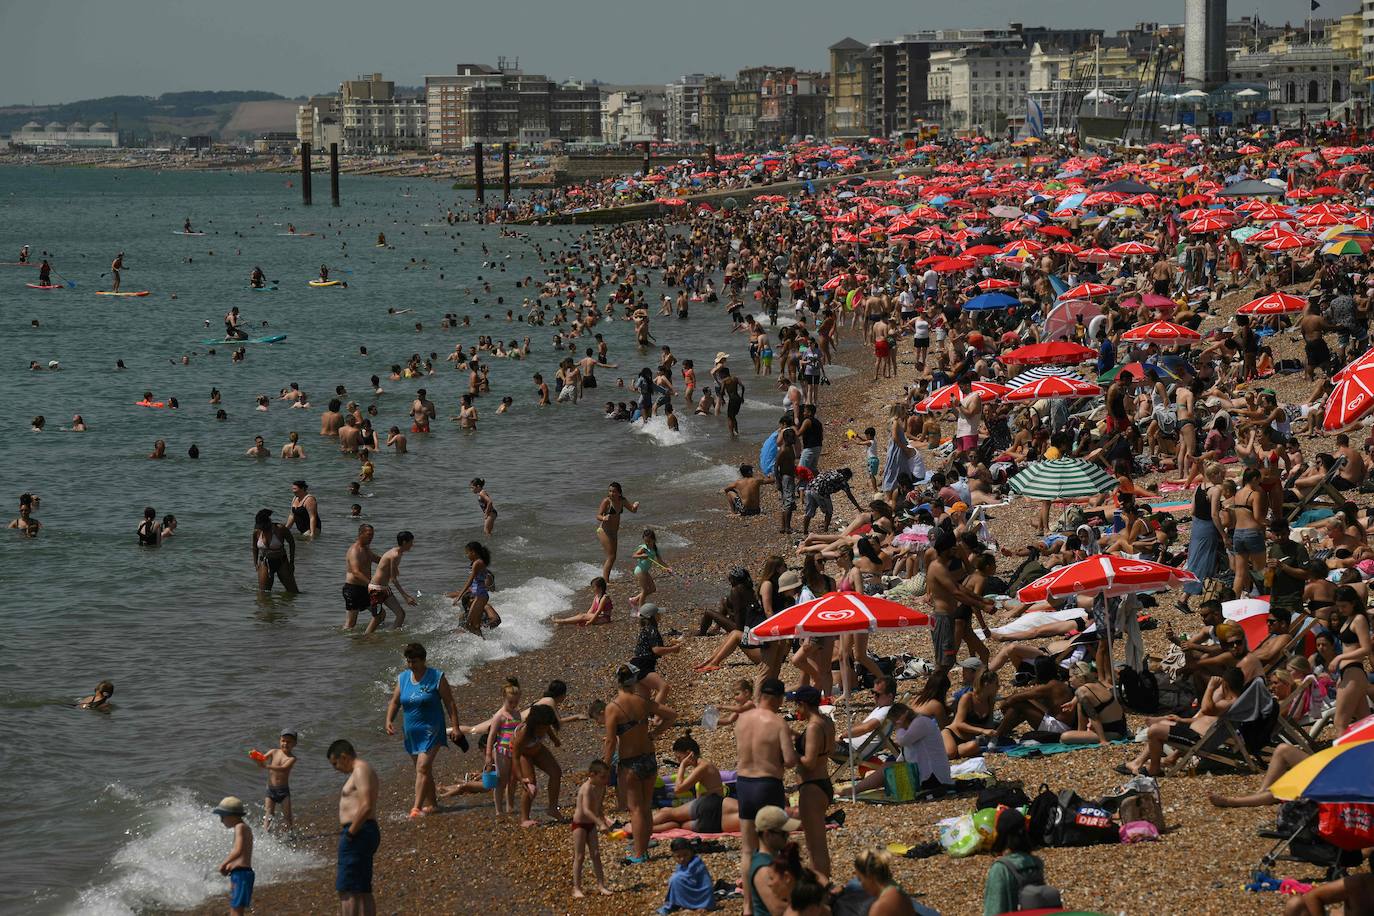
column 70, row 284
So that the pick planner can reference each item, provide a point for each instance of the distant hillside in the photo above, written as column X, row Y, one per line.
column 172, row 113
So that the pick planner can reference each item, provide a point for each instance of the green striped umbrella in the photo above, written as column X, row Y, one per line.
column 1063, row 478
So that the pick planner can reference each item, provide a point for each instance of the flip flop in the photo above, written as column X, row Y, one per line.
column 704, row 669
column 1124, row 770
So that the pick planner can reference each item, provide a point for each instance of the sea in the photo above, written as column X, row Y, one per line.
column 109, row 813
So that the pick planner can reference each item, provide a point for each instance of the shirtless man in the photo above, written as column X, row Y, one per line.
column 331, row 419
column 259, row 449
column 358, row 563
column 232, row 331
column 882, row 349
column 588, row 366
column 792, row 399
column 1316, row 352
column 379, row 596
column 396, row 439
column 350, row 436
column 946, row 594
column 115, row 267
column 359, row 835
column 744, row 493
column 422, row 410
column 765, row 754
column 1354, row 471
column 875, row 310
column 1162, row 276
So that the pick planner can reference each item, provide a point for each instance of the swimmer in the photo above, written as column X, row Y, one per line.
column 396, row 439
column 99, row 699
column 259, row 449
column 292, row 448
column 485, row 504
column 159, row 450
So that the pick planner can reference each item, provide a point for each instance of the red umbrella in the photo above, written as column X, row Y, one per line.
column 1056, row 352
column 1289, row 242
column 1162, row 332
column 1066, row 387
column 838, row 613
column 950, row 265
column 1149, row 301
column 1088, row 291
column 945, row 398
column 1351, row 399
column 1127, row 250
column 1362, row 730
column 1210, row 224
column 994, row 283
column 1056, row 231
column 1273, row 304
column 1096, row 255
column 1106, row 575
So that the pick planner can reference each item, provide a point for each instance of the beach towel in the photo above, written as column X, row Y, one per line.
column 675, row 832
column 1046, row 750
column 1028, row 622
column 689, row 888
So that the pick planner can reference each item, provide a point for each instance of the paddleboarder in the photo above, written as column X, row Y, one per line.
column 115, row 267
column 324, row 273
column 232, row 331
column 186, row 227
column 44, row 273
column 258, row 279
column 24, row 255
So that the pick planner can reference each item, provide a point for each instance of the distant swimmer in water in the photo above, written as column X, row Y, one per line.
column 305, row 509
column 467, row 414
column 78, row 424
column 291, row 228
column 100, row 699
column 396, row 439
column 358, row 563
column 257, row 279
column 484, row 502
column 381, row 239
column 186, row 226
column 149, row 531
column 274, row 552
column 24, row 255
column 259, row 449
column 115, row 267
column 159, row 450
column 422, row 410
column 26, row 524
column 292, row 448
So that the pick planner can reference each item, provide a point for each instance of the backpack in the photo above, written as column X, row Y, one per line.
column 1074, row 822
column 1039, row 812
column 1029, row 895
column 1009, row 795
column 1138, row 689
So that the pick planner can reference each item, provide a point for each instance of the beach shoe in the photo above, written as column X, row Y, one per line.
column 416, row 812
column 634, row 860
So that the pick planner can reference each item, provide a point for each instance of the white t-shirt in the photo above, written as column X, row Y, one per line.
column 879, row 715
column 922, row 745
column 930, row 280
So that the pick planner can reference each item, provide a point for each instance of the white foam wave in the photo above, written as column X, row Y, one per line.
column 715, row 476
column 170, row 863
column 671, row 539
column 783, row 321
column 657, row 430
column 756, row 404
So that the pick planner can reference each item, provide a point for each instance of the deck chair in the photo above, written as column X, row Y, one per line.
column 1238, row 738
column 1325, row 489
column 878, row 741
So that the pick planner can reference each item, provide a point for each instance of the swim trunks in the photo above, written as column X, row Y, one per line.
column 278, row 794
column 706, row 813
column 740, row 508
column 377, row 597
column 757, row 792
column 645, row 766
column 355, row 597
column 241, row 888
column 353, row 874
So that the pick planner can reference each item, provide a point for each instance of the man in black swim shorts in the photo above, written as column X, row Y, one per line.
column 766, row 752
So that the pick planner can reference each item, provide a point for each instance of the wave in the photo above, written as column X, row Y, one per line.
column 657, row 430
column 717, row 475
column 170, row 863
column 783, row 321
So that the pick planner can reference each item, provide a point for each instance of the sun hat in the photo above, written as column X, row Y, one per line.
column 722, row 356
column 230, row 806
column 789, row 581
column 648, row 609
column 771, row 817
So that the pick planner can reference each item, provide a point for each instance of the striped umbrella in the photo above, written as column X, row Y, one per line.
column 1107, row 575
column 1038, row 372
column 1273, row 304
column 1063, row 387
column 1338, row 774
column 946, row 397
column 1131, row 249
column 1351, row 399
column 1088, row 291
column 1345, row 248
column 1063, row 478
column 1362, row 730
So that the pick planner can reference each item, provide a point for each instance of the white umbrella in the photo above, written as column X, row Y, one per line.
column 1192, row 94
column 1097, row 95
column 1246, row 94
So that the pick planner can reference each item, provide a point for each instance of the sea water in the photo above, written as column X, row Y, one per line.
column 110, row 812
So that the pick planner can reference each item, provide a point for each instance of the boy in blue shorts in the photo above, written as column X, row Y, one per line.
column 238, row 865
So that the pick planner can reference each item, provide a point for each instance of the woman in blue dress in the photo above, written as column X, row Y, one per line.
column 424, row 697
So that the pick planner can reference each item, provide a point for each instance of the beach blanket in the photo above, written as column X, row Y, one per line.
column 673, row 833
column 1048, row 749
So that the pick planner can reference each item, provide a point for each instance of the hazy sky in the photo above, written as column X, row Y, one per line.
column 61, row 50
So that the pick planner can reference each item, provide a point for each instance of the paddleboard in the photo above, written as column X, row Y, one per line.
column 180, row 232
column 297, row 235
column 262, row 289
column 271, row 338
column 325, row 282
column 106, row 292
column 17, row 264
column 37, row 286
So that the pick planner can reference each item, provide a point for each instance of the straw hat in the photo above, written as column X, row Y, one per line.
column 789, row 581
column 722, row 357
column 230, row 806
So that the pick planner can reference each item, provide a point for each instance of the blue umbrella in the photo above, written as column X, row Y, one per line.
column 1068, row 203
column 990, row 301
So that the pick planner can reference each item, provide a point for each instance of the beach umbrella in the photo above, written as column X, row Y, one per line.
column 989, row 301
column 1345, row 248
column 1341, row 773
column 1055, row 352
column 1106, row 575
column 1163, row 333
column 1289, row 242
column 1062, row 478
column 1096, row 256
column 1051, row 387
column 1149, row 301
column 1351, row 399
column 1363, row 359
column 1362, row 730
column 995, row 283
column 1039, row 372
column 838, row 613
column 1273, row 304
column 1210, row 224
column 1131, row 249
column 945, row 398
column 1062, row 321
column 1088, row 291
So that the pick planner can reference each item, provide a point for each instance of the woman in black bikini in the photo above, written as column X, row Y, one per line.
column 974, row 719
column 628, row 733
column 816, row 792
column 608, row 525
column 1352, row 681
column 1100, row 716
column 149, row 532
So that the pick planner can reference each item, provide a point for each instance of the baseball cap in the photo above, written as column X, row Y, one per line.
column 808, row 695
column 648, row 609
column 288, row 733
column 773, row 687
column 771, row 817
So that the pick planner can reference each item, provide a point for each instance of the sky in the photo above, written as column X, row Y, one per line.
column 63, row 50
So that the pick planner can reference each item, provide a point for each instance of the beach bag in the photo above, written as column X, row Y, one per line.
column 1138, row 689
column 1029, row 895
column 1142, row 807
column 1007, row 795
column 1346, row 825
column 959, row 837
column 1215, row 589
column 1074, row 822
column 1139, row 832
column 1039, row 812
column 1296, row 818
column 902, row 781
